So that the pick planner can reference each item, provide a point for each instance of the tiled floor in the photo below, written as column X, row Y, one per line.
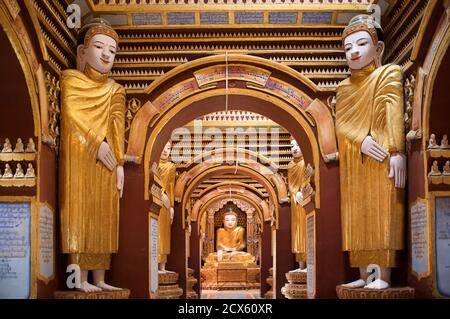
column 230, row 294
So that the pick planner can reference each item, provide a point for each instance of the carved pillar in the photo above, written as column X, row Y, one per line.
column 210, row 231
column 250, row 234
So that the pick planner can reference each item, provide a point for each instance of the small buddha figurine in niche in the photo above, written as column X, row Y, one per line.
column 444, row 141
column 167, row 171
column 19, row 146
column 19, row 171
column 92, row 155
column 30, row 171
column 230, row 241
column 296, row 180
column 7, row 147
column 435, row 169
column 8, row 172
column 446, row 169
column 31, row 147
column 370, row 133
column 432, row 142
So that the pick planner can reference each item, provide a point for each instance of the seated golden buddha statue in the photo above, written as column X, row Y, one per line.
column 230, row 241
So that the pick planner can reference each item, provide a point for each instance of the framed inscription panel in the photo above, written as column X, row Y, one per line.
column 420, row 238
column 15, row 250
column 311, row 254
column 153, row 254
column 46, row 243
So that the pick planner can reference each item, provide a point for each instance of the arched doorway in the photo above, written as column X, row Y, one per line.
column 250, row 84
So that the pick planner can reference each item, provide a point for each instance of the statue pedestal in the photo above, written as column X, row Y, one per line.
column 362, row 293
column 168, row 287
column 269, row 280
column 230, row 275
column 119, row 294
column 296, row 288
column 191, row 281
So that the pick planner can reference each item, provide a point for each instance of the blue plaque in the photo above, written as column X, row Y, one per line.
column 442, row 219
column 214, row 18
column 316, row 18
column 245, row 17
column 283, row 17
column 147, row 19
column 15, row 250
column 180, row 18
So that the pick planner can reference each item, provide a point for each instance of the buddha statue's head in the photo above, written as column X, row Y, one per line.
column 295, row 149
column 166, row 151
column 363, row 42
column 97, row 46
column 229, row 219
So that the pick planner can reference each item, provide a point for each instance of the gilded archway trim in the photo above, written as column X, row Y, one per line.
column 230, row 58
column 275, row 178
column 218, row 170
column 432, row 64
column 258, row 72
column 209, row 188
column 238, row 151
column 259, row 95
column 201, row 212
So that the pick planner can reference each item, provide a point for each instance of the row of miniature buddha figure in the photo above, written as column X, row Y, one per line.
column 435, row 169
column 19, row 147
column 433, row 142
column 19, row 172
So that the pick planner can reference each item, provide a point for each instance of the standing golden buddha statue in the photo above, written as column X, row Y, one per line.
column 92, row 155
column 370, row 132
column 296, row 174
column 167, row 172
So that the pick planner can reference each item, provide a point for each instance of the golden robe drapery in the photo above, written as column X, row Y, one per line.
column 167, row 171
column 296, row 173
column 226, row 240
column 370, row 102
column 92, row 111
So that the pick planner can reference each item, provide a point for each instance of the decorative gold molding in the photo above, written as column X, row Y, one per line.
column 423, row 26
column 217, row 185
column 186, row 103
column 431, row 65
column 218, row 170
column 262, row 211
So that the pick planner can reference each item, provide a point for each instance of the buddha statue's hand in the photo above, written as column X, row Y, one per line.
column 106, row 156
column 172, row 213
column 165, row 200
column 373, row 149
column 397, row 169
column 120, row 180
column 299, row 197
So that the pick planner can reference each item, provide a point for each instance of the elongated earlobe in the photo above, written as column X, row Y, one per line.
column 81, row 53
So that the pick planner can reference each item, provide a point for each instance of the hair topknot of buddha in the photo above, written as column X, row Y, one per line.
column 364, row 22
column 94, row 27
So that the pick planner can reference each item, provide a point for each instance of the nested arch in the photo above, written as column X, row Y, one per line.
column 226, row 192
column 240, row 99
column 226, row 169
column 272, row 176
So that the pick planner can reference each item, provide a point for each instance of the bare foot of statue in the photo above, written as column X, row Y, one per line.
column 87, row 287
column 355, row 284
column 105, row 287
column 377, row 284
